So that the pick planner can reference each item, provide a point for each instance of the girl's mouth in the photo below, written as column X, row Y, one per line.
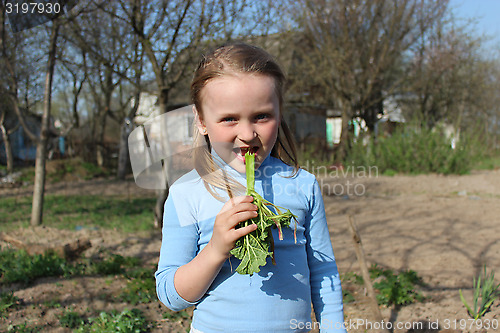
column 240, row 152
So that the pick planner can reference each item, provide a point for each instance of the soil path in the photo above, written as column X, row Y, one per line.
column 443, row 227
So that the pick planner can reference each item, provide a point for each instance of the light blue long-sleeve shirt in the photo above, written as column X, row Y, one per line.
column 278, row 298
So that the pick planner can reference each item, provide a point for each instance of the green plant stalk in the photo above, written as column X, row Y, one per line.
column 254, row 248
column 488, row 292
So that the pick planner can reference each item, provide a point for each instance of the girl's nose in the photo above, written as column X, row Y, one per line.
column 246, row 132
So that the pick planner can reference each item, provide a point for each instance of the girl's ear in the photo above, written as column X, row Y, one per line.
column 199, row 123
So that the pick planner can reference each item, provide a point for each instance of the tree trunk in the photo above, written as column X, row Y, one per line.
column 100, row 148
column 158, row 210
column 101, row 131
column 344, row 136
column 41, row 151
column 376, row 107
column 7, row 146
column 161, row 194
column 127, row 126
column 76, row 117
column 123, row 155
column 8, row 149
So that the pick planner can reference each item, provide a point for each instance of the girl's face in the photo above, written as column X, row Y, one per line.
column 240, row 113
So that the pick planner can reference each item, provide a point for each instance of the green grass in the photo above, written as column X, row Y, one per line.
column 8, row 301
column 489, row 162
column 171, row 315
column 132, row 321
column 71, row 319
column 70, row 212
column 113, row 265
column 27, row 175
column 23, row 328
column 19, row 266
column 16, row 266
column 140, row 288
column 351, row 277
column 347, row 296
column 58, row 170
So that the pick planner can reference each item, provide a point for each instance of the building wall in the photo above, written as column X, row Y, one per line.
column 305, row 124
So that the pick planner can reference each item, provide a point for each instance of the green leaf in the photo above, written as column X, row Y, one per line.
column 252, row 253
column 465, row 303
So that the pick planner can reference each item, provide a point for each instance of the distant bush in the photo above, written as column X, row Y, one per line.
column 416, row 151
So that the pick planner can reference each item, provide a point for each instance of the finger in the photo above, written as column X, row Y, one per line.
column 243, row 198
column 241, row 217
column 236, row 201
column 242, row 207
column 245, row 230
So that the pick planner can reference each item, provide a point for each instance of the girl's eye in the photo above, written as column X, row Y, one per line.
column 262, row 116
column 228, row 120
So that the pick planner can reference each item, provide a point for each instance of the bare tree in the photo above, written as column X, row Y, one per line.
column 73, row 71
column 109, row 57
column 352, row 51
column 172, row 34
column 448, row 77
column 20, row 67
column 128, row 42
column 41, row 151
column 13, row 71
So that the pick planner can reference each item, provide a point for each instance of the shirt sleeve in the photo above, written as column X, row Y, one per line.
column 179, row 246
column 326, row 291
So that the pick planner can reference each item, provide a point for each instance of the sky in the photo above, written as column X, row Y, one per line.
column 487, row 13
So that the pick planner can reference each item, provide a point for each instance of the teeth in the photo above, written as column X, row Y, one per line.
column 253, row 150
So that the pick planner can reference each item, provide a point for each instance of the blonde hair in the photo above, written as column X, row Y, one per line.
column 225, row 60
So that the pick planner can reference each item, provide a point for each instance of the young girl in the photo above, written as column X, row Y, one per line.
column 237, row 92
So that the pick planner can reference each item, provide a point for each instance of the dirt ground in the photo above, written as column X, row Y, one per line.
column 443, row 227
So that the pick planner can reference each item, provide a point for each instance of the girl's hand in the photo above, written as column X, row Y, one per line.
column 225, row 235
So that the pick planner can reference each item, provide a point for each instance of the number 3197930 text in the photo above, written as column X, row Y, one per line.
column 32, row 8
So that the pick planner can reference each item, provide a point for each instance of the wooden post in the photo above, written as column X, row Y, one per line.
column 360, row 254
